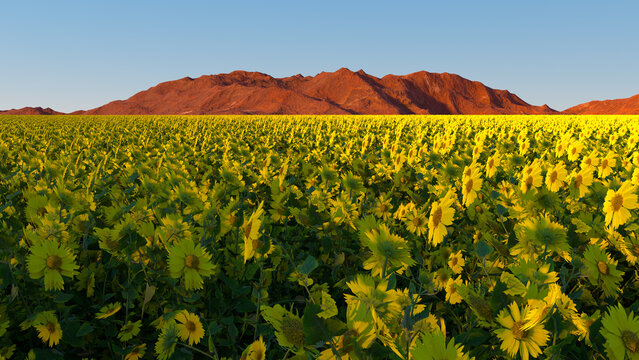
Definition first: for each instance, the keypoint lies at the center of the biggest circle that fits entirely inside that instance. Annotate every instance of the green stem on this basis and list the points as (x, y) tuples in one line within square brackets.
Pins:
[(384, 267)]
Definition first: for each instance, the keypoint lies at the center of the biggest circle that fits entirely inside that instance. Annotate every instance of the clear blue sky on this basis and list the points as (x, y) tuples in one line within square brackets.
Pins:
[(72, 55)]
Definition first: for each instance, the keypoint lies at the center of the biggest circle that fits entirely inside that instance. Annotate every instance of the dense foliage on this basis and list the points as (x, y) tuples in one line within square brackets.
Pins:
[(338, 237)]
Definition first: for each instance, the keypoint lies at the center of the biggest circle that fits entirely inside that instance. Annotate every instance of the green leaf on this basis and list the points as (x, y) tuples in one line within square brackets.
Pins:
[(85, 329), (309, 265), (483, 249), (148, 295), (315, 329), (500, 210), (329, 308), (632, 227), (62, 298), (515, 286), (582, 227)]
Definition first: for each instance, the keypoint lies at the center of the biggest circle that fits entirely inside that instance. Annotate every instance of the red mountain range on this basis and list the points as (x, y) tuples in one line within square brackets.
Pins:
[(339, 92), (30, 111), (627, 106)]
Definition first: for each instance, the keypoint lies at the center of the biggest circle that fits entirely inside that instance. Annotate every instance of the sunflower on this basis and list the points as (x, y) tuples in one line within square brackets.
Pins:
[(470, 186), (629, 246), (539, 309), (165, 346), (51, 260), (574, 149), (582, 323), (128, 331), (289, 329), (581, 180), (540, 234), (531, 177), (456, 262), (108, 310), (491, 165), (251, 229), (360, 335), (452, 295), (6, 352), (371, 301), (441, 277), (255, 351), (173, 228), (48, 327), (383, 208), (607, 165), (514, 339), (37, 206), (555, 178), (441, 215), (416, 222), (618, 203), (189, 327), (590, 161), (635, 176), (388, 251), (621, 331), (136, 353), (188, 260), (561, 147), (602, 270)]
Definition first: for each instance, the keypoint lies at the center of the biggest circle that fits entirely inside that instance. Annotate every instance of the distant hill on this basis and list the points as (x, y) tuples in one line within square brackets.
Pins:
[(339, 92), (30, 111), (627, 106)]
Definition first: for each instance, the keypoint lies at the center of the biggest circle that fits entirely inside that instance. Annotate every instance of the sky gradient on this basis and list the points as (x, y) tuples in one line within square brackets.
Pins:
[(71, 55)]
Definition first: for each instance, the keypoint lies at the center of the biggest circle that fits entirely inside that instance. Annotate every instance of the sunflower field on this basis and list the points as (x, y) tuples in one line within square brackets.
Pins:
[(330, 237)]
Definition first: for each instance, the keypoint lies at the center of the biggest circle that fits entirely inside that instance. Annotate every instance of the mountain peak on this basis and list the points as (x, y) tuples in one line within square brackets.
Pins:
[(340, 92)]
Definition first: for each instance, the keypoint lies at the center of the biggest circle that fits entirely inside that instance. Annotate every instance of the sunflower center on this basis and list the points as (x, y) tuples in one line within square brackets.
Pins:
[(192, 262), (383, 208), (578, 180), (518, 332), (247, 229), (453, 261), (529, 182), (553, 176), (51, 328), (588, 161), (604, 163), (573, 151), (630, 341), (54, 262), (469, 186), (616, 202), (491, 163), (437, 216), (418, 221), (603, 267), (190, 326)]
